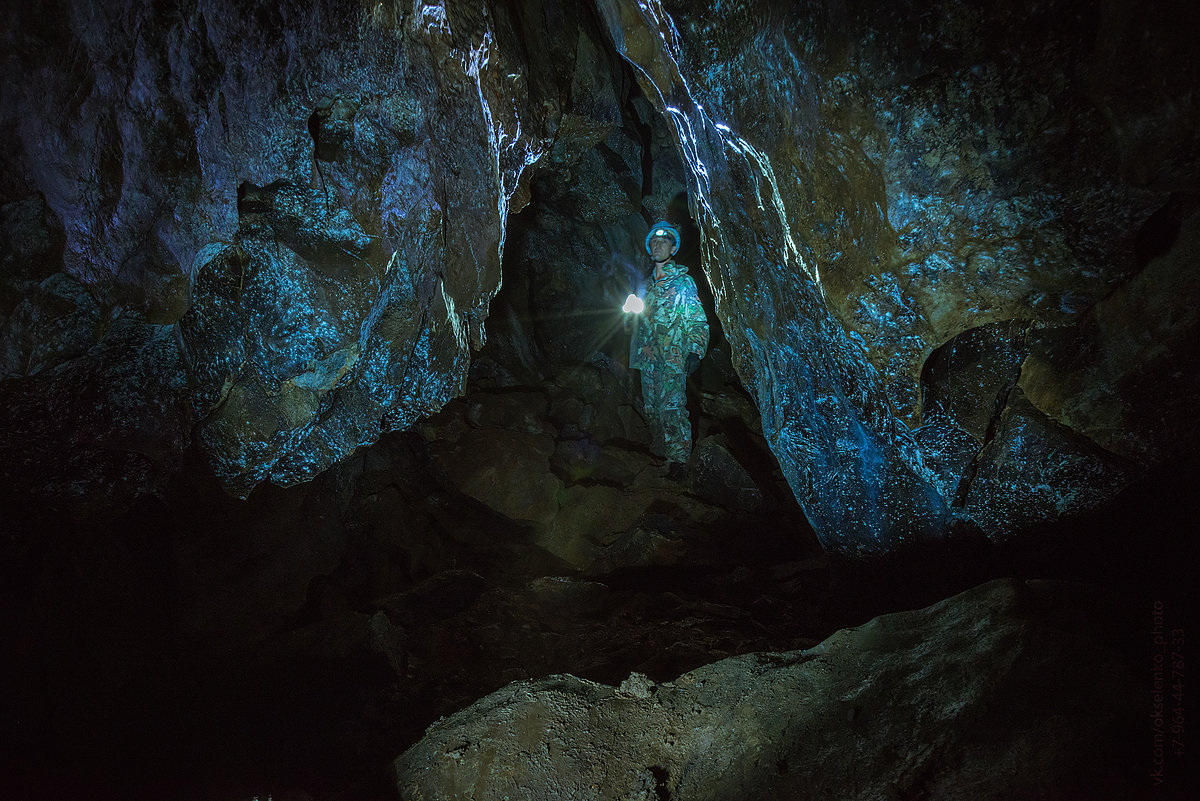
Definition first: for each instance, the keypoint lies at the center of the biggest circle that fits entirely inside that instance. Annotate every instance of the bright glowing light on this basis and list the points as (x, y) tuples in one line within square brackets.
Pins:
[(633, 305)]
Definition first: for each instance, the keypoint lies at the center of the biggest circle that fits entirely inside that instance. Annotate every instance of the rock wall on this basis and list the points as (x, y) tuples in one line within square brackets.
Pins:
[(314, 195), (882, 186), (950, 249), (361, 270)]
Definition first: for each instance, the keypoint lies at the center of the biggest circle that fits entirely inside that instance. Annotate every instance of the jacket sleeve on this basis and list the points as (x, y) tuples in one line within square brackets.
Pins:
[(695, 326)]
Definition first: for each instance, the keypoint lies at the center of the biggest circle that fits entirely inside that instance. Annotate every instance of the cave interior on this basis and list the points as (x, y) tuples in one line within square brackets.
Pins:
[(325, 474)]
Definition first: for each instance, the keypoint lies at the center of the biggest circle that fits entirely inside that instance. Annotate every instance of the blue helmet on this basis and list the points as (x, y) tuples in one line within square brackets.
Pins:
[(663, 228)]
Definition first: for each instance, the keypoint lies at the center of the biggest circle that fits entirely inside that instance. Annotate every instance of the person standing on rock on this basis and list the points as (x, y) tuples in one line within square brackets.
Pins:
[(667, 345)]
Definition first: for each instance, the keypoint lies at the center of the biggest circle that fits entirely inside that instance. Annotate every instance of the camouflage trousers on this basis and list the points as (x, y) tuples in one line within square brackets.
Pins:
[(665, 405)]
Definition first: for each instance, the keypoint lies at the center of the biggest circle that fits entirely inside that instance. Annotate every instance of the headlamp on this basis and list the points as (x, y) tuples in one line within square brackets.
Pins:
[(664, 229), (633, 305)]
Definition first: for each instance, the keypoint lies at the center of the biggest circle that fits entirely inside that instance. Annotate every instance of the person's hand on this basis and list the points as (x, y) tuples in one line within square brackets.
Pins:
[(691, 363)]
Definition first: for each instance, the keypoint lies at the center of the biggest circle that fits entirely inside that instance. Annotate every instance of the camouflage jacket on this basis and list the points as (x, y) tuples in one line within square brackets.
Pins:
[(672, 325)]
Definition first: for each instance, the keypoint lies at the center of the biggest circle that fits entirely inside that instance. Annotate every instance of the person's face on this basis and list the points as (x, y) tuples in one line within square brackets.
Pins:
[(661, 247)]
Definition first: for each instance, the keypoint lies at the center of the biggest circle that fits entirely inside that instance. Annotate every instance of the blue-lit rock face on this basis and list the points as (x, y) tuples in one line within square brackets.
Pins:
[(951, 249), (322, 188), (882, 186), (360, 272)]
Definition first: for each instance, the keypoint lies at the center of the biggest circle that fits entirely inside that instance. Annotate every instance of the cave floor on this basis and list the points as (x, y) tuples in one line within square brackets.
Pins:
[(293, 644)]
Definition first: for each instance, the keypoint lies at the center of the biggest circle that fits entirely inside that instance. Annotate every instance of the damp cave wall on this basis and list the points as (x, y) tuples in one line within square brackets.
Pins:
[(952, 249)]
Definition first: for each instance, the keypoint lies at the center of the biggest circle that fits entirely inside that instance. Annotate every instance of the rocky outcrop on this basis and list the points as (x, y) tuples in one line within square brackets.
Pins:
[(362, 267), (324, 200), (874, 182), (331, 182), (583, 485), (1004, 691)]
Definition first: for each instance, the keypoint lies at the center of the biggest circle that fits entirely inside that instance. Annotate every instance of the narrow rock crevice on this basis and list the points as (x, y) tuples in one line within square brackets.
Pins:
[(1000, 408)]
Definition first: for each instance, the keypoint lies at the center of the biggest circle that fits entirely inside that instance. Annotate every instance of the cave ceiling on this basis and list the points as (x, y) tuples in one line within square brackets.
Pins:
[(951, 248)]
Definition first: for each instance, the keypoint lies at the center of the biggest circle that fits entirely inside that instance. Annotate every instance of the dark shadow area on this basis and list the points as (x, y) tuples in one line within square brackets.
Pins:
[(202, 647), (1140, 548)]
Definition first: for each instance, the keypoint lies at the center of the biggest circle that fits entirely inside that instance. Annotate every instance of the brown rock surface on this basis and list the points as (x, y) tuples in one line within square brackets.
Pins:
[(1005, 691)]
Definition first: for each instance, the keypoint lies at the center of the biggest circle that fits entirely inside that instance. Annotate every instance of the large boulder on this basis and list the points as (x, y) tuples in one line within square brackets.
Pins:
[(588, 497), (332, 183), (362, 265), (1006, 691)]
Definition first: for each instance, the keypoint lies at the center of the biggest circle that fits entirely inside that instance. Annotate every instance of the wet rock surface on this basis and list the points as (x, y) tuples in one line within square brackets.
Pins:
[(357, 279), (317, 195), (874, 181)]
